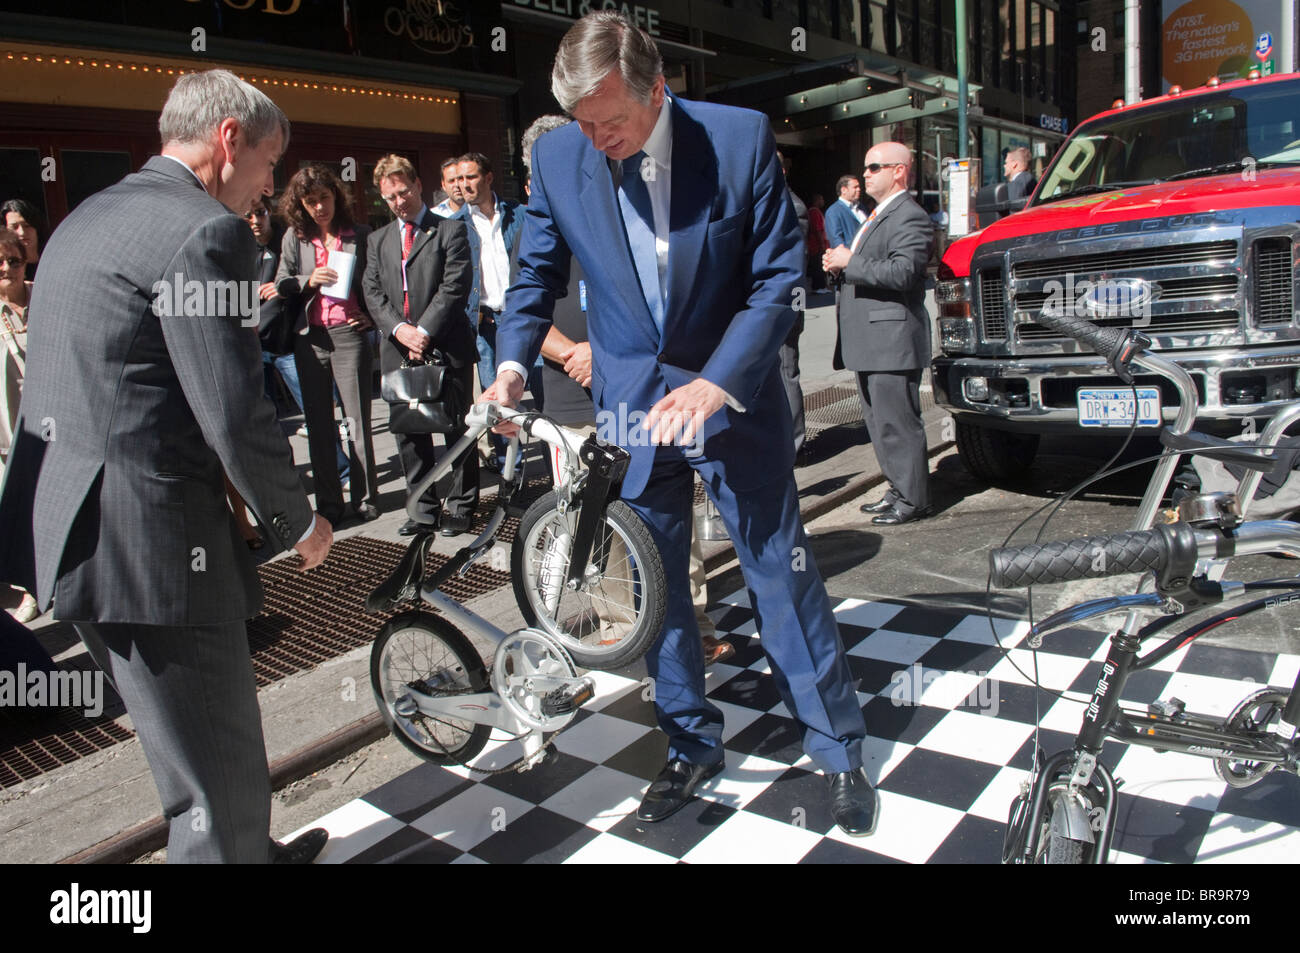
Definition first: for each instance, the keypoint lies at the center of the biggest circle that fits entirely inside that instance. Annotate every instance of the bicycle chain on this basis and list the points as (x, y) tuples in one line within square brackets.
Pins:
[(547, 744)]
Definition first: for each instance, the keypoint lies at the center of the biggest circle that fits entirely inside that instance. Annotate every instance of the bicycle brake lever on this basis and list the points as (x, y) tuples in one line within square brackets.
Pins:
[(1093, 608)]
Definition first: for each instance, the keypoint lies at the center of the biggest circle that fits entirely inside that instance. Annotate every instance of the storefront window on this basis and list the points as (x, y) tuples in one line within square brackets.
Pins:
[(20, 177), (86, 172)]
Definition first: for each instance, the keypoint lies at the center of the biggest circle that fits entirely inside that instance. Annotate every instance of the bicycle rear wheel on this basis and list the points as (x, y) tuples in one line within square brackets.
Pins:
[(617, 611)]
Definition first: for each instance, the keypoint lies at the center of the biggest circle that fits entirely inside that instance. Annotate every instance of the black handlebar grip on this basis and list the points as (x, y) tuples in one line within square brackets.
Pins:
[(1105, 341), (1089, 557)]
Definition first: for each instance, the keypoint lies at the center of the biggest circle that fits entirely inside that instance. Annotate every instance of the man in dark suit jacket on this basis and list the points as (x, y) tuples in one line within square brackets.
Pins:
[(416, 294), (884, 331), (1020, 183), (114, 505), (692, 257), (845, 216)]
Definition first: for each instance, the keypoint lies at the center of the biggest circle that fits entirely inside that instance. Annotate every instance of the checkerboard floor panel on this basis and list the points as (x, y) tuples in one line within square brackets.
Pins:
[(950, 737)]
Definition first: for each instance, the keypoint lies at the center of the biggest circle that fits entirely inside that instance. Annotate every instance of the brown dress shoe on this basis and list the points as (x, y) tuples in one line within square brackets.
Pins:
[(716, 650)]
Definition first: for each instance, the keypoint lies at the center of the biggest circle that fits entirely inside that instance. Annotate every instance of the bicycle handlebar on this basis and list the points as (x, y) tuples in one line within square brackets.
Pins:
[(1171, 551), (1088, 557), (1108, 342)]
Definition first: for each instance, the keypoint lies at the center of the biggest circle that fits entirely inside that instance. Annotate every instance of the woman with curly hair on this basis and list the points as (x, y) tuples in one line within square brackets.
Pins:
[(332, 345)]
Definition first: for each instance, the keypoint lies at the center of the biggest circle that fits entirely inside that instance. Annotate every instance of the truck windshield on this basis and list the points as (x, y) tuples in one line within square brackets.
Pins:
[(1200, 135)]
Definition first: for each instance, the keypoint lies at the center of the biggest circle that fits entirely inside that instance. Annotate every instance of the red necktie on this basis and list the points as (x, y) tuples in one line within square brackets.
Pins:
[(408, 236)]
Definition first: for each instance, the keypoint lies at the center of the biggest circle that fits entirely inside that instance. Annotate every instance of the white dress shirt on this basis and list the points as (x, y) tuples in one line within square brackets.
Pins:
[(494, 258), (855, 208), (875, 214)]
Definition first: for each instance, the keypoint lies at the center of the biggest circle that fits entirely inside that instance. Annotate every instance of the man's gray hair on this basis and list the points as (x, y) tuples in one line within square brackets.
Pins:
[(595, 46), (199, 102), (541, 125)]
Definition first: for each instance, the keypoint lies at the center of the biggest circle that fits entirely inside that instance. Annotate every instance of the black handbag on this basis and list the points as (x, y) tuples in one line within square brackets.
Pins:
[(422, 396)]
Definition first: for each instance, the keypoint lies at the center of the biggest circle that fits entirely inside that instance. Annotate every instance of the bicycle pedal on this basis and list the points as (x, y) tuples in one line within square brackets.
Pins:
[(568, 698), (405, 707)]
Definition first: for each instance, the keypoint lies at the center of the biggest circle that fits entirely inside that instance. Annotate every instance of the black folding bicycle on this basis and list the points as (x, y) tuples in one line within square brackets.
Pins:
[(1065, 813)]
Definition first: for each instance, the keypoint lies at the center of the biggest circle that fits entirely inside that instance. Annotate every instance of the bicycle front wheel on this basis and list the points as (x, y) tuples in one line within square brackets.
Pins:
[(424, 653), (617, 611)]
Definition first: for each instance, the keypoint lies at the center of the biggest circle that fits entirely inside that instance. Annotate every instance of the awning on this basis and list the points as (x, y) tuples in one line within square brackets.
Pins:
[(866, 87)]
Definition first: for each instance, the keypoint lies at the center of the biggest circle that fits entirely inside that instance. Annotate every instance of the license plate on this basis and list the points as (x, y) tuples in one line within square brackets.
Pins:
[(1114, 407)]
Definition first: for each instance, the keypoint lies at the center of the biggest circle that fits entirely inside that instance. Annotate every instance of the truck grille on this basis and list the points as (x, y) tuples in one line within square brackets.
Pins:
[(1199, 323), (1274, 283), (1194, 254), (993, 308)]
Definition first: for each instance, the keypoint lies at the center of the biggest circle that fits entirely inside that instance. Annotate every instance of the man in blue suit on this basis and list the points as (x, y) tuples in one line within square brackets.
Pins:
[(679, 216), (845, 216)]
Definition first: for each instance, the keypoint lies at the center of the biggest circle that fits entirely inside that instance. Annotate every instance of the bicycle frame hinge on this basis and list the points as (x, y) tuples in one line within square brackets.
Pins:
[(1084, 765)]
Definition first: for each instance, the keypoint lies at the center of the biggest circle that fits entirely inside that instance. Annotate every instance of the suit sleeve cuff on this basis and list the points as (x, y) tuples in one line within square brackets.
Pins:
[(311, 528), (513, 366)]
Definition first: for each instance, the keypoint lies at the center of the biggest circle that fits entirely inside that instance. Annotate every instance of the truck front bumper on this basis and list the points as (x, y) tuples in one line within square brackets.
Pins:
[(1038, 394)]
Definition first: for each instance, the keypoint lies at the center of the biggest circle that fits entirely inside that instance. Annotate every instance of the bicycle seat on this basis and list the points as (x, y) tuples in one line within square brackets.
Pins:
[(404, 583)]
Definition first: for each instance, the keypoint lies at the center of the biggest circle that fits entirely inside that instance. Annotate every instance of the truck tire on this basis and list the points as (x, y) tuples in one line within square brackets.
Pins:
[(994, 455)]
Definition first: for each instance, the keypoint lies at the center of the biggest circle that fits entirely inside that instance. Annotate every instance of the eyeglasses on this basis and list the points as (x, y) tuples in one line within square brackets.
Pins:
[(875, 167), (257, 213), (14, 262)]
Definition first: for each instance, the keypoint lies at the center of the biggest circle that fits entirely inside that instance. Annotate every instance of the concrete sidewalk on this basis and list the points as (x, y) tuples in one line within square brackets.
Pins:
[(104, 807)]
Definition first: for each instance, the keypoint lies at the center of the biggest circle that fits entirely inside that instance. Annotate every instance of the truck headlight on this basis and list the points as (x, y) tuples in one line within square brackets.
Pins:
[(957, 335)]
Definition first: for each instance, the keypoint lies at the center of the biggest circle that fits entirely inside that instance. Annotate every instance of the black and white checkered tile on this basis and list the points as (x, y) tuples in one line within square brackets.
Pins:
[(950, 728)]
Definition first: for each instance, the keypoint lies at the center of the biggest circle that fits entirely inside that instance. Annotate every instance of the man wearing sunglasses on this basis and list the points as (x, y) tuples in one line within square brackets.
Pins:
[(884, 331)]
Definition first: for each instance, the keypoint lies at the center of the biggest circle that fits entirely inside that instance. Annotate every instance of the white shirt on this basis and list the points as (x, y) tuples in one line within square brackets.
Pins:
[(855, 208), (880, 207), (659, 149), (494, 259), (182, 164), (444, 209)]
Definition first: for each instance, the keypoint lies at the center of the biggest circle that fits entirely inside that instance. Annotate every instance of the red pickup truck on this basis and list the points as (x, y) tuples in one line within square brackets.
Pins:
[(1178, 215)]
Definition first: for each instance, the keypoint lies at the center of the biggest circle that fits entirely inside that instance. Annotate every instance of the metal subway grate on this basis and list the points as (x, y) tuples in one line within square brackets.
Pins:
[(307, 619), (30, 747), (1274, 282), (993, 305)]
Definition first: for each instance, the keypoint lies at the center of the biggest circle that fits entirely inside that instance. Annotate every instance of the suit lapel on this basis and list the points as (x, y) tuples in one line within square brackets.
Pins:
[(390, 251), (610, 239), (694, 180), (875, 224)]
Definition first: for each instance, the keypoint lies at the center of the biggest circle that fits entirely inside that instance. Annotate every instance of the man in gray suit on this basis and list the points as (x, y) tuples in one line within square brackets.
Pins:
[(884, 331), (144, 381)]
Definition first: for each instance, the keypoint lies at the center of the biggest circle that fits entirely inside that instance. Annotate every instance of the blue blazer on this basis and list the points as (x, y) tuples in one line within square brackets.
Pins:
[(511, 224), (841, 225), (735, 257)]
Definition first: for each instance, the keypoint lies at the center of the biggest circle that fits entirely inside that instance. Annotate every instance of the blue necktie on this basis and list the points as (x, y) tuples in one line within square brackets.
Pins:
[(639, 222)]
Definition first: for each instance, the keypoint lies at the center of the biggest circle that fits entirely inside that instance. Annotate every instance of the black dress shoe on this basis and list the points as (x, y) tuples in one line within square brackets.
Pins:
[(366, 512), (302, 849), (886, 502), (854, 804), (411, 527), (895, 517), (454, 525), (674, 788)]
